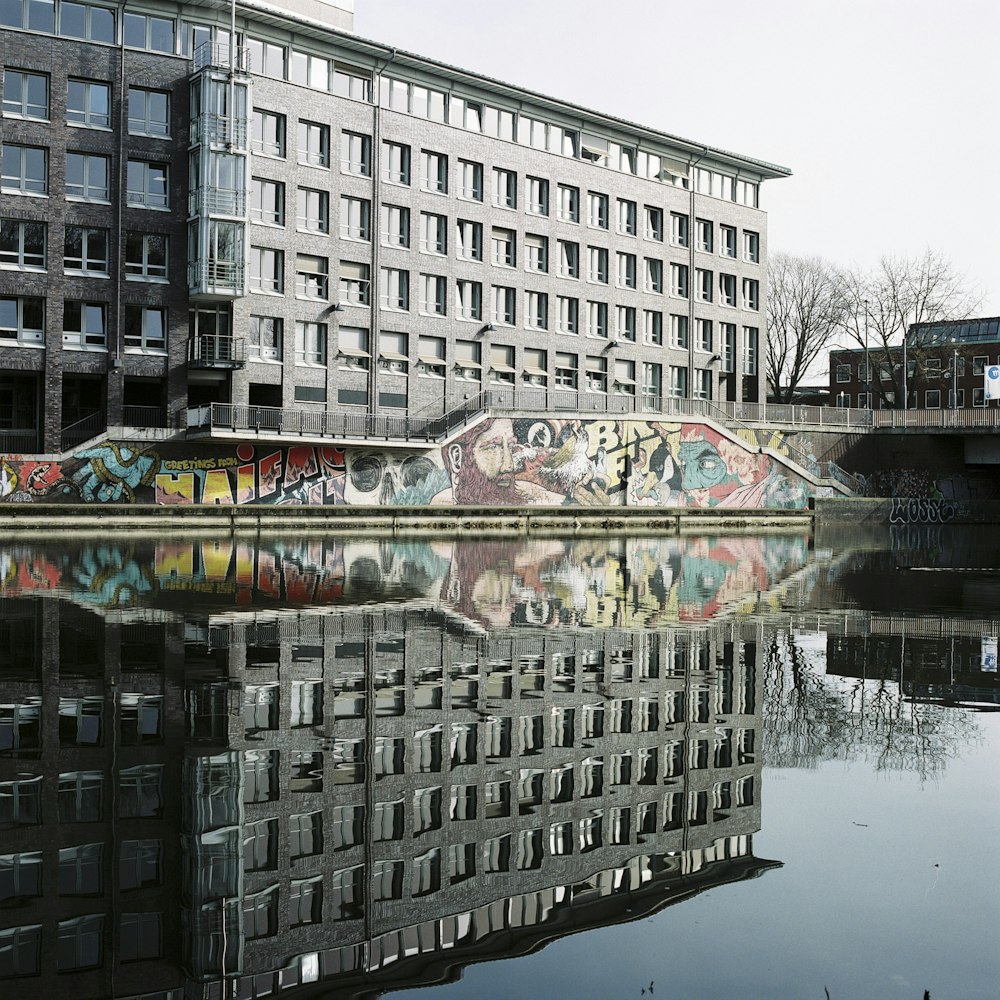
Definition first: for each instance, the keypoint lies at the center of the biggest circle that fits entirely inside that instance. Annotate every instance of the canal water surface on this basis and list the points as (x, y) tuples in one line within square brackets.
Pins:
[(303, 767)]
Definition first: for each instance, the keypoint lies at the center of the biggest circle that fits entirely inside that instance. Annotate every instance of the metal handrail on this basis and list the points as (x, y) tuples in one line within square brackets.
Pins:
[(84, 429)]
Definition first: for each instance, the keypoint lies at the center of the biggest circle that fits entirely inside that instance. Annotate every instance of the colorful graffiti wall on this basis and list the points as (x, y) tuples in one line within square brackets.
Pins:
[(499, 461)]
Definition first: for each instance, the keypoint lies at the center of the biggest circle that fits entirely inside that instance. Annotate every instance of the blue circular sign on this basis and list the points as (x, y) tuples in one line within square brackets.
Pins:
[(993, 372)]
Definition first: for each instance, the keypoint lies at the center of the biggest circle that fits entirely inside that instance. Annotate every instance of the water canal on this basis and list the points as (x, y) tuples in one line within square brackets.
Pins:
[(682, 767)]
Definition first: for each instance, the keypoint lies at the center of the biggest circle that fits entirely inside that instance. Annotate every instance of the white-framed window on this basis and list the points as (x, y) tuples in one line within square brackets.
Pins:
[(703, 281), (704, 235), (267, 133), (652, 379), (536, 253), (932, 367), (433, 171), (434, 233), (504, 305), (678, 331), (470, 180), (431, 357), (727, 241), (747, 193), (353, 352), (751, 345), (652, 280), (145, 329), (264, 338), (312, 277), (468, 300), (678, 381), (627, 217), (146, 256), (844, 373), (932, 399), (502, 370), (596, 374), (727, 338), (652, 327), (978, 395), (569, 203), (751, 247), (22, 321), (865, 400), (979, 363), (148, 184), (624, 381), (395, 289), (704, 336), (536, 196), (395, 162), (597, 265), (86, 250), (569, 259), (85, 325), (310, 343), (355, 283), (88, 102), (469, 240), (597, 210), (751, 294), (504, 247), (356, 154), (433, 295), (465, 113), (536, 310), (625, 320), (146, 31), (267, 270), (567, 314), (23, 245), (88, 177), (312, 214), (26, 94), (148, 112), (703, 383), (536, 366), (267, 201), (393, 352), (567, 368), (625, 270), (597, 319), (468, 360), (679, 229), (395, 228), (727, 289), (504, 188), (653, 227)]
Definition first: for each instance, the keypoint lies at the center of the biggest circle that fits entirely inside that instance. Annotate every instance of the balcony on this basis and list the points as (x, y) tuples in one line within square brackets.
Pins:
[(220, 130), (217, 201), (219, 278), (216, 55), (216, 352)]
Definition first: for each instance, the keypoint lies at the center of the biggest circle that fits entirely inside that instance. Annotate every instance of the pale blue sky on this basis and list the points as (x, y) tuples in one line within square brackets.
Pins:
[(883, 109)]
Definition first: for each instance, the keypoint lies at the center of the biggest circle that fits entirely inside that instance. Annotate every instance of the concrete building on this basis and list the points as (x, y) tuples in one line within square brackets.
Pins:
[(301, 219)]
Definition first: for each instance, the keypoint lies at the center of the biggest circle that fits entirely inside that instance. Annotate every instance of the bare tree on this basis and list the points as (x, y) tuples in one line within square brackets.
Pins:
[(881, 305), (805, 309)]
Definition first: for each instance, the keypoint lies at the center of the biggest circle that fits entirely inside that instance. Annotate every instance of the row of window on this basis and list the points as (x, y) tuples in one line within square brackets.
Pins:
[(25, 170), (934, 399), (26, 94), (930, 367), (84, 325)]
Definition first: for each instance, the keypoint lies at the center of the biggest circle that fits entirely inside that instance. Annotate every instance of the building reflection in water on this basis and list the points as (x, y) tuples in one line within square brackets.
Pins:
[(228, 771)]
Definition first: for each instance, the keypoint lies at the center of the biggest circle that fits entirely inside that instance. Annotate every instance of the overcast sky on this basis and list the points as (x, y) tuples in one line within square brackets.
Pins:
[(884, 110)]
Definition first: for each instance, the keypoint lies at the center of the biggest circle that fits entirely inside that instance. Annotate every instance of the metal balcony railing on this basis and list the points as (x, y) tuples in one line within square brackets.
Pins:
[(144, 416), (19, 442), (216, 55), (217, 201), (216, 277), (220, 130), (214, 351), (83, 429)]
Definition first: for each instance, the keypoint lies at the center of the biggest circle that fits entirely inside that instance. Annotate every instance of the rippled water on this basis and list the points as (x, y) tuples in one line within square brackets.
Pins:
[(675, 767)]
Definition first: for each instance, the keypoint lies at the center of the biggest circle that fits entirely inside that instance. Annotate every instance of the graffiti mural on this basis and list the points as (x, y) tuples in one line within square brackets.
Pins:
[(498, 461)]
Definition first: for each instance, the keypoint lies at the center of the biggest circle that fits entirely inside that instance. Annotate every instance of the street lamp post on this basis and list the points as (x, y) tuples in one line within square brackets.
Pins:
[(906, 393), (868, 371)]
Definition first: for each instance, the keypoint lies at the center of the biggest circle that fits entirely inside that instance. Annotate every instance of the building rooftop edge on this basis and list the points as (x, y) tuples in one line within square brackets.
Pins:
[(762, 167)]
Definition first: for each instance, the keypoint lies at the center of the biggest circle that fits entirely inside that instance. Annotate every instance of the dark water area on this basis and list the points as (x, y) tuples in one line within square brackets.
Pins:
[(689, 767)]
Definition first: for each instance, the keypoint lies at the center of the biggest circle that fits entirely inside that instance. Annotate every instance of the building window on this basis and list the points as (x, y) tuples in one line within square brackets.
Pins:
[(536, 253), (22, 321), (537, 195), (148, 184), (504, 247), (471, 179), (88, 103), (148, 112), (536, 366), (504, 305), (80, 941), (468, 360), (626, 217), (703, 331), (145, 329), (502, 370), (625, 322), (678, 331), (702, 383), (267, 270), (652, 327), (678, 381), (652, 380), (843, 373), (536, 308), (727, 241), (265, 337), (751, 294), (434, 171), (566, 369), (312, 277), (597, 210), (679, 229), (87, 177), (395, 289), (469, 240), (727, 289), (355, 283), (26, 95), (267, 133), (267, 202), (569, 259), (356, 154), (932, 399), (468, 300), (624, 382), (597, 320), (704, 235), (751, 247), (653, 229), (144, 31), (567, 315), (750, 349), (395, 226), (353, 353), (312, 213), (86, 250), (23, 244), (395, 163), (727, 334), (393, 349), (430, 362), (653, 274), (625, 270), (979, 364), (504, 188), (305, 835), (433, 233), (597, 374), (978, 395), (569, 203), (310, 343), (433, 295), (305, 901), (314, 144), (597, 265), (703, 284), (85, 325)]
